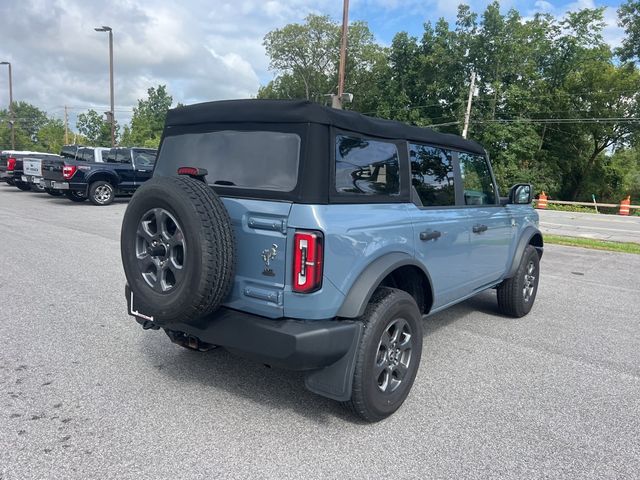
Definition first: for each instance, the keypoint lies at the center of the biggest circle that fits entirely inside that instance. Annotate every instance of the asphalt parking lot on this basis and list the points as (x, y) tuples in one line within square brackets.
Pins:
[(86, 393)]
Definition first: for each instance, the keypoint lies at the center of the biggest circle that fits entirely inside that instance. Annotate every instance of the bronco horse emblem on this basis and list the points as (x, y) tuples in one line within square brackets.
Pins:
[(269, 254)]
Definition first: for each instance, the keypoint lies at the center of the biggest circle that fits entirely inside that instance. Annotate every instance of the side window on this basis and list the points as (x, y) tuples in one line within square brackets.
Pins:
[(432, 175), (476, 180), (110, 156), (124, 155), (366, 166)]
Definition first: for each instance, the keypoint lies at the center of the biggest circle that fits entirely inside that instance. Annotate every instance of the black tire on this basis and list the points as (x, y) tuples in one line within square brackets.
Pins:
[(373, 396), (11, 182), (75, 196), (53, 193), (517, 294), (101, 193), (25, 187), (205, 248), (36, 187)]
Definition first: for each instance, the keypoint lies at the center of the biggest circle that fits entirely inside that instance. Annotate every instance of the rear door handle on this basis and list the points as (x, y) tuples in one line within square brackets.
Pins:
[(480, 228), (430, 235)]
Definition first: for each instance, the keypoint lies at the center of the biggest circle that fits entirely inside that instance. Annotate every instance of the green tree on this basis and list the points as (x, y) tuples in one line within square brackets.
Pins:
[(148, 119), (629, 20), (305, 58), (95, 128), (51, 136)]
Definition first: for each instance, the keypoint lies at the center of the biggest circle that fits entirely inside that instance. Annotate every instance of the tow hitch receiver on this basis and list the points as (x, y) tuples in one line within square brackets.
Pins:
[(189, 341)]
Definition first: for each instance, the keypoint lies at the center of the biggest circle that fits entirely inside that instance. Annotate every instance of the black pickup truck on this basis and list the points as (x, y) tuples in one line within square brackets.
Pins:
[(122, 171), (11, 166)]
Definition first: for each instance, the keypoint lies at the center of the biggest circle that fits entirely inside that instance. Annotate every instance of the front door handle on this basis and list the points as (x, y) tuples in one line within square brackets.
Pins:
[(479, 228), (430, 235)]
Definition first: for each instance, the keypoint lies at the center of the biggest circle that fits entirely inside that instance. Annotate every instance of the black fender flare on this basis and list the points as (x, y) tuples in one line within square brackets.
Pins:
[(105, 175), (525, 239), (362, 289)]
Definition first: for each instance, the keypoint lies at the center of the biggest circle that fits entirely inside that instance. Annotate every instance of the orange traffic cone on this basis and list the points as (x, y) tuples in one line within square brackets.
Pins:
[(624, 206), (542, 201)]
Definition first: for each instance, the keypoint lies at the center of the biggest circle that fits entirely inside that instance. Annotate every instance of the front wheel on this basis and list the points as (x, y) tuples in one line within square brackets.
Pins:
[(25, 187), (75, 196), (101, 193), (517, 294), (388, 356)]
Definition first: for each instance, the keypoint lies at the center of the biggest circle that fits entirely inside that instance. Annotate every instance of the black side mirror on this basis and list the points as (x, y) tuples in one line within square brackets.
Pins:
[(521, 194)]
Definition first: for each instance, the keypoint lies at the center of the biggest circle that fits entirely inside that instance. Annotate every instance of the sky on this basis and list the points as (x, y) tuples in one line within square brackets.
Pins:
[(201, 49)]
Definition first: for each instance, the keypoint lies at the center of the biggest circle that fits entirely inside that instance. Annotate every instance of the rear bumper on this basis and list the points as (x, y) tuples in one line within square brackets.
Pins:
[(285, 343), (62, 185)]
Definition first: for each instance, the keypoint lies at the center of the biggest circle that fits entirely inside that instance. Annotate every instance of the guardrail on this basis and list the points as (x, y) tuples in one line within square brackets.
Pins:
[(624, 206)]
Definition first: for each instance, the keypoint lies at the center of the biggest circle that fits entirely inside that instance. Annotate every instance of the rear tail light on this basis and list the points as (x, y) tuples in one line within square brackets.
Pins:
[(307, 261), (68, 171), (11, 164)]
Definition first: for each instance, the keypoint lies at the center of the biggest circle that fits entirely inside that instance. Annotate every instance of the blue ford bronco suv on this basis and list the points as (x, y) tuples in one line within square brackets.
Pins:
[(316, 239)]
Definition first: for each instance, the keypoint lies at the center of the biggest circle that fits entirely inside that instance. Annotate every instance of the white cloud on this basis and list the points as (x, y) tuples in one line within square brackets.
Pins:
[(201, 49)]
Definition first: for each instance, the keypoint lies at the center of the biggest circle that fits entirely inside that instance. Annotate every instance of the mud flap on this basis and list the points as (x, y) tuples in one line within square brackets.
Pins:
[(336, 380)]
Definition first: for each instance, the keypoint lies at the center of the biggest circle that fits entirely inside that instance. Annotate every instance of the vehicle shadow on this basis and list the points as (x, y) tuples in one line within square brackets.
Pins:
[(65, 201), (219, 370), (484, 302), (273, 388)]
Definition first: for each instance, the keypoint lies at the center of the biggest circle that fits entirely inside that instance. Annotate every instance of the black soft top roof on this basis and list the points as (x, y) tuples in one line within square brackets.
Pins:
[(302, 111)]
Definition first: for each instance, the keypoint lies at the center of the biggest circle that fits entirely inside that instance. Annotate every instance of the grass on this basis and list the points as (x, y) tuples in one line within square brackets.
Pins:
[(625, 247)]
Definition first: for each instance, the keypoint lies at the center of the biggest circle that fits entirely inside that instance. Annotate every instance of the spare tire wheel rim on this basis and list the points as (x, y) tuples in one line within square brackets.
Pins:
[(161, 250), (103, 193)]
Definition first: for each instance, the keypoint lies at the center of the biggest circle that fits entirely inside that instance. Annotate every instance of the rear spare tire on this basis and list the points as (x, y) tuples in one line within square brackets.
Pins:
[(178, 250)]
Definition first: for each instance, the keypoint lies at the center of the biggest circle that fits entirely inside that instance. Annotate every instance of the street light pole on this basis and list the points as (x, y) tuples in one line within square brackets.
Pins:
[(112, 118), (11, 115)]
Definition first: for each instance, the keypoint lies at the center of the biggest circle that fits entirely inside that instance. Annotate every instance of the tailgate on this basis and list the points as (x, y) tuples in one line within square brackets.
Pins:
[(51, 169), (32, 166), (260, 229)]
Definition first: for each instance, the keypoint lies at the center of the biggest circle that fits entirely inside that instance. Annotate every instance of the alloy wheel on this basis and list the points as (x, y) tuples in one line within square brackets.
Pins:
[(160, 250)]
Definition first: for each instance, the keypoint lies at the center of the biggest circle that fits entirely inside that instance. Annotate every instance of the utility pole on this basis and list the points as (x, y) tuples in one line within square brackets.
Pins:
[(66, 126), (112, 118), (467, 115), (12, 117), (336, 100)]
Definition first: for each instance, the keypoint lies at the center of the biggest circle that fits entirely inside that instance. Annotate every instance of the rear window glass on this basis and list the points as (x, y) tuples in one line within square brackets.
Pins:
[(366, 166), (256, 159), (68, 152)]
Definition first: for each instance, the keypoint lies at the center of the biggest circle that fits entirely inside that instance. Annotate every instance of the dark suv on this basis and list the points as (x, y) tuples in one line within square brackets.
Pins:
[(317, 239)]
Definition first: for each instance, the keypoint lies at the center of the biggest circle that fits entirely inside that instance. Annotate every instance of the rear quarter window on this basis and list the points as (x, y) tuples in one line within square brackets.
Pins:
[(366, 166), (261, 160)]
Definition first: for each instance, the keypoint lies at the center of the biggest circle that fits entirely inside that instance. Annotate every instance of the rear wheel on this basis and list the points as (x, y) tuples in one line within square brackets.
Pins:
[(101, 193), (389, 354), (25, 187), (517, 294), (36, 187), (75, 196)]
